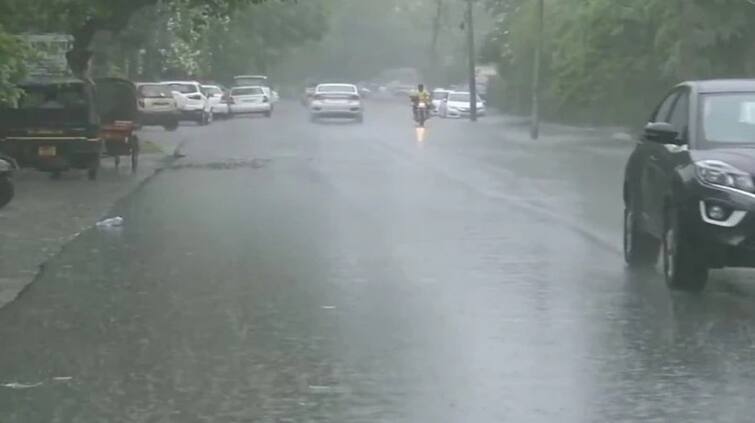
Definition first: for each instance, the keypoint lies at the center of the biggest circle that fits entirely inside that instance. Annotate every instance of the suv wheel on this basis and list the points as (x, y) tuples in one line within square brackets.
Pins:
[(640, 248), (683, 268)]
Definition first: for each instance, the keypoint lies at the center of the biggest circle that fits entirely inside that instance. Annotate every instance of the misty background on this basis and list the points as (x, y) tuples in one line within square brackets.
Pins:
[(604, 61)]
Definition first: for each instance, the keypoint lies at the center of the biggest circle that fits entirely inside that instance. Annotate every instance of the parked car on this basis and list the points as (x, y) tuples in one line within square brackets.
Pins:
[(458, 104), (338, 101), (250, 100), (7, 190), (157, 105), (438, 96), (688, 188), (219, 100), (192, 104)]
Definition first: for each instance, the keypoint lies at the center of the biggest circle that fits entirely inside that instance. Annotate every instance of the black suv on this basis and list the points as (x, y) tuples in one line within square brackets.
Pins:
[(688, 187)]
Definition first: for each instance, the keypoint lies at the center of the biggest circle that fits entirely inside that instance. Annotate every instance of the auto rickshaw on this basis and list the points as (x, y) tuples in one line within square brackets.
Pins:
[(53, 126), (117, 104)]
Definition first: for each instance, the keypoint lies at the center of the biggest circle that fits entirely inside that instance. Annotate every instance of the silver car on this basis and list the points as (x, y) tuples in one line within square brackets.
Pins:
[(336, 101)]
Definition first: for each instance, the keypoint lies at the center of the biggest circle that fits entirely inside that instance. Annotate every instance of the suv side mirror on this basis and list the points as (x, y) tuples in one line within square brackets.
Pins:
[(662, 133)]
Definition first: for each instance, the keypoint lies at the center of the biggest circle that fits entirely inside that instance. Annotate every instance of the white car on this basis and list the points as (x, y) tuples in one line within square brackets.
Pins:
[(219, 103), (336, 101), (192, 103), (437, 98), (157, 105), (250, 100), (458, 104)]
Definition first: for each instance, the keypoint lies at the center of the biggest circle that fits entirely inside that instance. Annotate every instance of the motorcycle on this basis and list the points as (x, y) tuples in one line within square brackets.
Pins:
[(7, 166), (421, 111)]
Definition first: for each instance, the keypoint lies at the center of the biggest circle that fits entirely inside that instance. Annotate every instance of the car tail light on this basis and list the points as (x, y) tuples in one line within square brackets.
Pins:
[(141, 103), (318, 97), (354, 97), (194, 97), (265, 99)]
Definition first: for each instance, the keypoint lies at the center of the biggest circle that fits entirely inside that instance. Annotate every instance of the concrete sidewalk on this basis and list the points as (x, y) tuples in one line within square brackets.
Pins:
[(46, 214)]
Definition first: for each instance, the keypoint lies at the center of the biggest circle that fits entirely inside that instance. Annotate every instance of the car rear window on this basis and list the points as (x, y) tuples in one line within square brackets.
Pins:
[(184, 88), (247, 91), (341, 89), (154, 91)]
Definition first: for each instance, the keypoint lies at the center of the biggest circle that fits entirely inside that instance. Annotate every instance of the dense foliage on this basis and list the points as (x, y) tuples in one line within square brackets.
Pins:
[(609, 61), (145, 39)]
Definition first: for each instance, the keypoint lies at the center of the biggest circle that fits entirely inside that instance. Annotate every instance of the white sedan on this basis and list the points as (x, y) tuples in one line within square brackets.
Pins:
[(250, 100), (458, 104), (336, 101)]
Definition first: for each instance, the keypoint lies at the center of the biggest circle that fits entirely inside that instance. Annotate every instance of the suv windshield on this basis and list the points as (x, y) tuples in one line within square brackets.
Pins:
[(728, 118)]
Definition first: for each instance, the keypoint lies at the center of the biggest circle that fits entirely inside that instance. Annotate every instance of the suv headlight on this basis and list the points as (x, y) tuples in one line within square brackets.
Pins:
[(714, 172)]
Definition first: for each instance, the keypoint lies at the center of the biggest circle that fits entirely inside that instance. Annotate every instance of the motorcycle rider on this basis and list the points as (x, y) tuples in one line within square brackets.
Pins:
[(420, 96)]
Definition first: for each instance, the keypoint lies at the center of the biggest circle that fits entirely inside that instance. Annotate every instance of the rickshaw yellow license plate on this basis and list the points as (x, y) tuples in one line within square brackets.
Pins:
[(47, 151)]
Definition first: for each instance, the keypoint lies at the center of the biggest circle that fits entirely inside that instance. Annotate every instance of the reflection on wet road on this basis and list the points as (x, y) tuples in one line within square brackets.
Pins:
[(295, 272)]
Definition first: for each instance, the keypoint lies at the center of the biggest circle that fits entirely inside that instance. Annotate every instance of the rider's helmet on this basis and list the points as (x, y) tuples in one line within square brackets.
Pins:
[(421, 87)]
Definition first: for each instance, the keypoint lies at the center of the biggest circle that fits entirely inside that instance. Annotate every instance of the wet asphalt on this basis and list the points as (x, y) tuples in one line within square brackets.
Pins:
[(285, 271)]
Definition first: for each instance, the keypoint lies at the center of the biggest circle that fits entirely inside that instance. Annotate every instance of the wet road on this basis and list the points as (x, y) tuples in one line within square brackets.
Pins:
[(294, 272)]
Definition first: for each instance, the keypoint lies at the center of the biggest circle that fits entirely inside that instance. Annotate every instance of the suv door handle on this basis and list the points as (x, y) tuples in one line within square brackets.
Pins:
[(653, 158)]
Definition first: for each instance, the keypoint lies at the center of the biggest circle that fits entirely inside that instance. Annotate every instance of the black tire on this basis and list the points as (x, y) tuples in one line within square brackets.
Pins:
[(313, 118), (135, 148), (55, 175), (171, 126), (360, 119), (269, 114), (6, 191), (93, 169), (683, 267), (640, 248)]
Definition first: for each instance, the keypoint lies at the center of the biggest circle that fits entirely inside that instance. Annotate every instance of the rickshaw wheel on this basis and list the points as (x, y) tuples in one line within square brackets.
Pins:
[(93, 169), (134, 143), (6, 191)]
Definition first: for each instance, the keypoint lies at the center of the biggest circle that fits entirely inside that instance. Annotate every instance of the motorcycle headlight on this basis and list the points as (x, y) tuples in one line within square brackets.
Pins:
[(722, 174)]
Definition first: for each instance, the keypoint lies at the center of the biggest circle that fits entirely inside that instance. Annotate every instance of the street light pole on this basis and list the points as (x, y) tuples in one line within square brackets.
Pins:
[(535, 124), (472, 66)]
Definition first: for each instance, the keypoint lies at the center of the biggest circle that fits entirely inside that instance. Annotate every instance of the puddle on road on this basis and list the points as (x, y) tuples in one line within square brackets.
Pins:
[(223, 165)]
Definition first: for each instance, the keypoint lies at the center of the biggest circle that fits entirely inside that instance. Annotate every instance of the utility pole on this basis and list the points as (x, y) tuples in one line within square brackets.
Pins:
[(535, 124), (472, 67)]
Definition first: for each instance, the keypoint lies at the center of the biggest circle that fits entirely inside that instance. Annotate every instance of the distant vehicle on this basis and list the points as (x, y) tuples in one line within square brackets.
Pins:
[(251, 100), (438, 96), (218, 99), (458, 104), (337, 101), (7, 190), (192, 104), (688, 186), (157, 105), (309, 93), (251, 81)]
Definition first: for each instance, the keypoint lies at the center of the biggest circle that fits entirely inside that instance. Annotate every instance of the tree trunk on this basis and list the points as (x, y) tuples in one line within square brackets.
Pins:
[(80, 57)]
